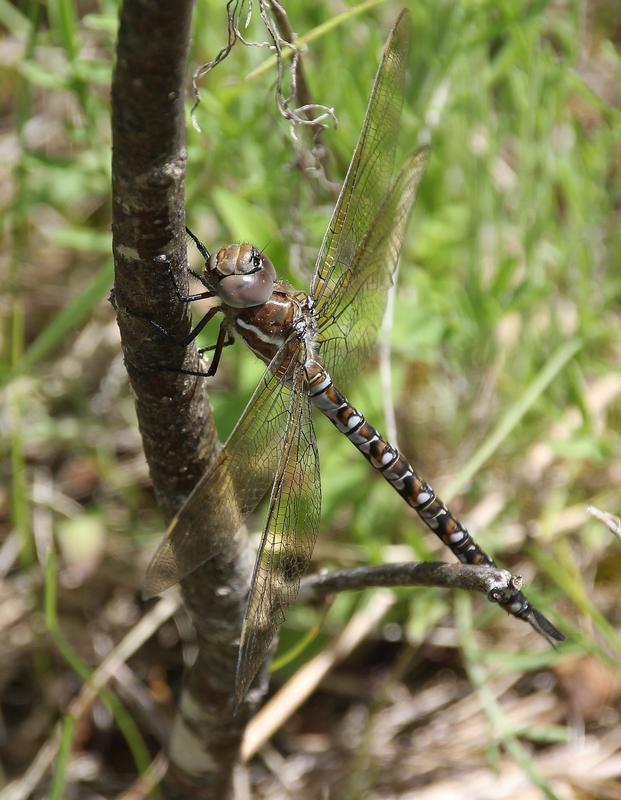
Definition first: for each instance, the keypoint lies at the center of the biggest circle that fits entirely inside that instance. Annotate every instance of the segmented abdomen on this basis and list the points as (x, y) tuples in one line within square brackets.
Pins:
[(398, 472), (404, 479)]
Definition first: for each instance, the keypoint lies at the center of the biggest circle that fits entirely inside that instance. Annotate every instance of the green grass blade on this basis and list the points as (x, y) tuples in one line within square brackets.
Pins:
[(60, 767), (66, 321), (513, 416), (123, 719), (564, 570), (13, 20), (63, 19), (299, 647), (19, 494)]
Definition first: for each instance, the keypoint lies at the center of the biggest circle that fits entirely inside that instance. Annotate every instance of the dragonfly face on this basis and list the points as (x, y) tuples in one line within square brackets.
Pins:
[(241, 276)]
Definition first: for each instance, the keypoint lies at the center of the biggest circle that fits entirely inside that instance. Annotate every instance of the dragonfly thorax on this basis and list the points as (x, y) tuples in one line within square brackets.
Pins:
[(284, 317), (241, 275)]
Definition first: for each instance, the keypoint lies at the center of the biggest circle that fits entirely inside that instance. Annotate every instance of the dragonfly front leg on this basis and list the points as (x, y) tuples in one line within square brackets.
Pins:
[(183, 298), (190, 298)]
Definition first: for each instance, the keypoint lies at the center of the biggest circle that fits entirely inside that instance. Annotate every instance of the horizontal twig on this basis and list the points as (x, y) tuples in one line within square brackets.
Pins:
[(427, 573)]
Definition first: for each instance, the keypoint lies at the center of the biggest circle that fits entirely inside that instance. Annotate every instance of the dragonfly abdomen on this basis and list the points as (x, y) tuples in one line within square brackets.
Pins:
[(414, 489), (399, 473)]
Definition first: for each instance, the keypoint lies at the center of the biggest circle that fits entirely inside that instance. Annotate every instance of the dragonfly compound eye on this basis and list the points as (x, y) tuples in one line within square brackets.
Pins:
[(244, 276)]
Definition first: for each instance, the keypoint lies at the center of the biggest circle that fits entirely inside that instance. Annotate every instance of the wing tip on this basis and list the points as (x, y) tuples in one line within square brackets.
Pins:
[(162, 571), (398, 41), (417, 160), (404, 14)]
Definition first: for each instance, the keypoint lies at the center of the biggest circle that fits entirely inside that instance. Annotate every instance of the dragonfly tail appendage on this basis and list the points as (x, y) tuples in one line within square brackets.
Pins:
[(421, 497), (542, 624), (515, 602)]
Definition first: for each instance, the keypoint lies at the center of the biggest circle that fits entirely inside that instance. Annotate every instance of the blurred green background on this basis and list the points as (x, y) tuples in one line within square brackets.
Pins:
[(505, 353)]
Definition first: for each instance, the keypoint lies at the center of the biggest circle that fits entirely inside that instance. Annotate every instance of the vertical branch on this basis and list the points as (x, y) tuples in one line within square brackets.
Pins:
[(148, 169)]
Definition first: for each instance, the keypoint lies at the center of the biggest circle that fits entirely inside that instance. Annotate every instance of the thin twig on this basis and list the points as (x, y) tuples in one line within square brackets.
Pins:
[(319, 162), (471, 577), (294, 102), (610, 521), (233, 11)]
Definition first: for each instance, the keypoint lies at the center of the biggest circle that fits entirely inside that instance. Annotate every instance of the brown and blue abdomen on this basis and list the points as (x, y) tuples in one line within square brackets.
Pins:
[(395, 469), (414, 490)]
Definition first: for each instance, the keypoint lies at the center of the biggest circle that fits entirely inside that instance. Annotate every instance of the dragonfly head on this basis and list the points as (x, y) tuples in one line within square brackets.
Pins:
[(241, 275)]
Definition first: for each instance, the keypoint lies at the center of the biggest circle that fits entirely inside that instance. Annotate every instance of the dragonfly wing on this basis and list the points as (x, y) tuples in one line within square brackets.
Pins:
[(288, 539), (351, 314), (370, 170), (233, 486)]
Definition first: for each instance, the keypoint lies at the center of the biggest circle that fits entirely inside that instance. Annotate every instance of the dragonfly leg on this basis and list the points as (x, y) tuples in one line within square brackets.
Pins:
[(197, 373), (199, 245), (185, 340), (224, 340), (187, 298), (199, 327), (190, 298), (230, 339)]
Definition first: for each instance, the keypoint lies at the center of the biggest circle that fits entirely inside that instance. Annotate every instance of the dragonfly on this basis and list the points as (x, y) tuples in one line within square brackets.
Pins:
[(312, 343)]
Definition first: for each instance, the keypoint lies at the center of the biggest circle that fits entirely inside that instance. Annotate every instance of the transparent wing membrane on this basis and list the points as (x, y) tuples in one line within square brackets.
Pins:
[(234, 485), (352, 311), (370, 171), (288, 539)]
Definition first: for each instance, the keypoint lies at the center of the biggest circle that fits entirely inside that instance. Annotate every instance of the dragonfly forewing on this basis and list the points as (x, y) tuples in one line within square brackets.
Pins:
[(234, 485), (370, 171), (353, 310)]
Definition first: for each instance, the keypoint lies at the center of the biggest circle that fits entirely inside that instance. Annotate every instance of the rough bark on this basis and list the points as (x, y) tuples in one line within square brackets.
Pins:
[(148, 169)]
